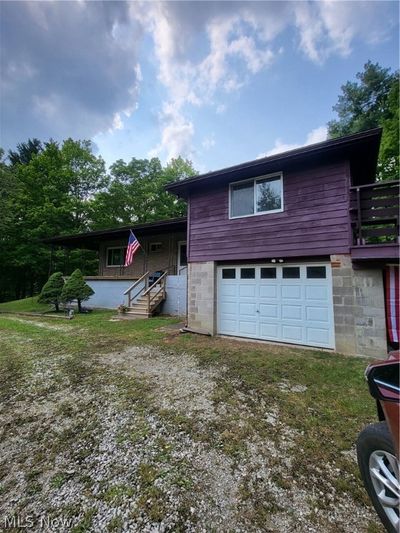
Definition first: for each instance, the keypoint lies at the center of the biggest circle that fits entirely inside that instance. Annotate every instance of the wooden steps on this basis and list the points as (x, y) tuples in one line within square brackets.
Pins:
[(146, 306)]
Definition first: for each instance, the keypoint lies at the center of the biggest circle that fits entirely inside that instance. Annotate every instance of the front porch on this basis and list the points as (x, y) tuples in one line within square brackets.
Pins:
[(162, 256)]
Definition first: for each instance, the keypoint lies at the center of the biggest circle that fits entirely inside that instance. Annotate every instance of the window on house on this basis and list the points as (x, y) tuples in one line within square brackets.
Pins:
[(116, 256), (228, 273), (290, 272), (247, 273), (155, 246), (256, 196), (316, 272), (268, 273)]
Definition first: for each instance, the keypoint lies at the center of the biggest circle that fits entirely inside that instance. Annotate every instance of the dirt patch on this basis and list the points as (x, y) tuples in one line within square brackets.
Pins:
[(43, 325)]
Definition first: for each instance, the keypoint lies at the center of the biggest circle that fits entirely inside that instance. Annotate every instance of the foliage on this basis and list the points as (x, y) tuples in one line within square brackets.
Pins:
[(76, 288), (388, 165), (370, 102), (25, 152), (50, 189), (52, 289), (48, 195), (136, 193)]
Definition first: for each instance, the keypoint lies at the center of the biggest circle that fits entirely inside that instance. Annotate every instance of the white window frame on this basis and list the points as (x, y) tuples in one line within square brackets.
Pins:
[(254, 181), (114, 248)]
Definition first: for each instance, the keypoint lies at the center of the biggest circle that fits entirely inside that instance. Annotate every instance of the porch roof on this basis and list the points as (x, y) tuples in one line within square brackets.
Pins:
[(91, 239)]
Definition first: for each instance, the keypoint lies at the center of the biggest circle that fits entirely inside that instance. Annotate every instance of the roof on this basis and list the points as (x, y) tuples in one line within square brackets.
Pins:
[(361, 149), (92, 239)]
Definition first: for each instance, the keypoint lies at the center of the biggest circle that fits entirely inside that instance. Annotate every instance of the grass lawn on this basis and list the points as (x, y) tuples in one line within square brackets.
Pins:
[(27, 305), (130, 426)]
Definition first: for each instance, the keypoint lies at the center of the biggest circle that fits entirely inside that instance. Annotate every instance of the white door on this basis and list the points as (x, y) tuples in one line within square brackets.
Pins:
[(286, 303)]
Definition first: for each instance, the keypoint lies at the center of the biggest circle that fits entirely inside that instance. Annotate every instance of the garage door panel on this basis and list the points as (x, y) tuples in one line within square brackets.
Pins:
[(317, 336), (291, 292), (292, 333), (247, 327), (228, 289), (297, 310), (246, 308), (247, 290), (317, 314), (270, 330), (293, 312), (268, 291), (316, 292), (228, 308), (228, 326), (269, 310)]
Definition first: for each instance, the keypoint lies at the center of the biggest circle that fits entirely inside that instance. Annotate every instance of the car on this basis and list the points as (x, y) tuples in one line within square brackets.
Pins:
[(378, 444)]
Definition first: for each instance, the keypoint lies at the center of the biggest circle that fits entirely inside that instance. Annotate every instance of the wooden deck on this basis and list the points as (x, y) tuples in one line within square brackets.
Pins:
[(374, 212)]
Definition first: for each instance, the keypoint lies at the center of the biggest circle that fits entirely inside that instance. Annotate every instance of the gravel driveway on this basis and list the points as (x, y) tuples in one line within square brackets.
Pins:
[(143, 440)]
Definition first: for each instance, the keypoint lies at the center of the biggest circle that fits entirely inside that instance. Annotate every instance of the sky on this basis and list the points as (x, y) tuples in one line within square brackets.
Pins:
[(218, 83)]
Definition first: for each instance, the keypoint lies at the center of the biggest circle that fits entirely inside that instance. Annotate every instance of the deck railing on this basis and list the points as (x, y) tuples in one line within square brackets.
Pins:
[(374, 213)]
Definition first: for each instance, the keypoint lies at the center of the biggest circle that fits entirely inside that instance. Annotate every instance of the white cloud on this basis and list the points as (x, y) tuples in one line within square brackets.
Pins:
[(231, 57), (177, 134), (117, 123), (317, 135), (208, 142), (330, 27), (314, 136), (202, 51)]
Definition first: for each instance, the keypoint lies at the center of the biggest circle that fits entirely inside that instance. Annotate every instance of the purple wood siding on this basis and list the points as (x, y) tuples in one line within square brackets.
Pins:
[(315, 220)]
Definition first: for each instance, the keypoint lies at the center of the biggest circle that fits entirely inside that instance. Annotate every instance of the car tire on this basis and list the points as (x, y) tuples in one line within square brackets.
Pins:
[(374, 448)]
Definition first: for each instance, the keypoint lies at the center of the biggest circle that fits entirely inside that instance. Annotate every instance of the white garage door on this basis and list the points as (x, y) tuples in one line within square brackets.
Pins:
[(288, 303)]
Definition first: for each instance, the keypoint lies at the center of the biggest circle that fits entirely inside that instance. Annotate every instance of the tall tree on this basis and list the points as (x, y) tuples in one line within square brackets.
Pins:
[(52, 196), (137, 193), (25, 151), (369, 102)]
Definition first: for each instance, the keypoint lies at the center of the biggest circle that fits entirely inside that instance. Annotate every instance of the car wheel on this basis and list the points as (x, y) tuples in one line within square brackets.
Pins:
[(380, 472)]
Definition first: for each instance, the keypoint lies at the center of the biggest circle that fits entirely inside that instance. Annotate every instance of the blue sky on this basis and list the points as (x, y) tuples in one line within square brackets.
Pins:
[(217, 82)]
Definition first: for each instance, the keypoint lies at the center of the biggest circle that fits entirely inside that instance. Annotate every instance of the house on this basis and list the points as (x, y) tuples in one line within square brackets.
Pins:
[(289, 248), (163, 249)]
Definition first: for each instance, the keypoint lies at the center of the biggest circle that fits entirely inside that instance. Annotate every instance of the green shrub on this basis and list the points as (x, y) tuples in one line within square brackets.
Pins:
[(52, 289), (76, 288)]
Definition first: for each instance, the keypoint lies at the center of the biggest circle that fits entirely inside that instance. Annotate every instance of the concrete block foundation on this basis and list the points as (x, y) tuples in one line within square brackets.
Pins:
[(359, 309), (202, 297)]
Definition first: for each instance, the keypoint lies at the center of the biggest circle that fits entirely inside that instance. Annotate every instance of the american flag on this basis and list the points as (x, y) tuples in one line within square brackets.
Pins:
[(133, 246)]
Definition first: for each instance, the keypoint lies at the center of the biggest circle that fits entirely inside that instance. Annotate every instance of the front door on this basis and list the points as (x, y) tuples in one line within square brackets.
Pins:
[(182, 259)]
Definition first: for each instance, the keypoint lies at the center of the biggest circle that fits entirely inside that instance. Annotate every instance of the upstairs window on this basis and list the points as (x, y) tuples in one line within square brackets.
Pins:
[(256, 196)]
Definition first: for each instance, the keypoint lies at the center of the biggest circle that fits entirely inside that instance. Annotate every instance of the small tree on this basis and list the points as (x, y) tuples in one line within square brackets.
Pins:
[(76, 288), (52, 289)]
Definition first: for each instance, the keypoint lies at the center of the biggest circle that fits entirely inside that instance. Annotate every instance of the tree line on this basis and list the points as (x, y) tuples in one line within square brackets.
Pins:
[(51, 188)]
